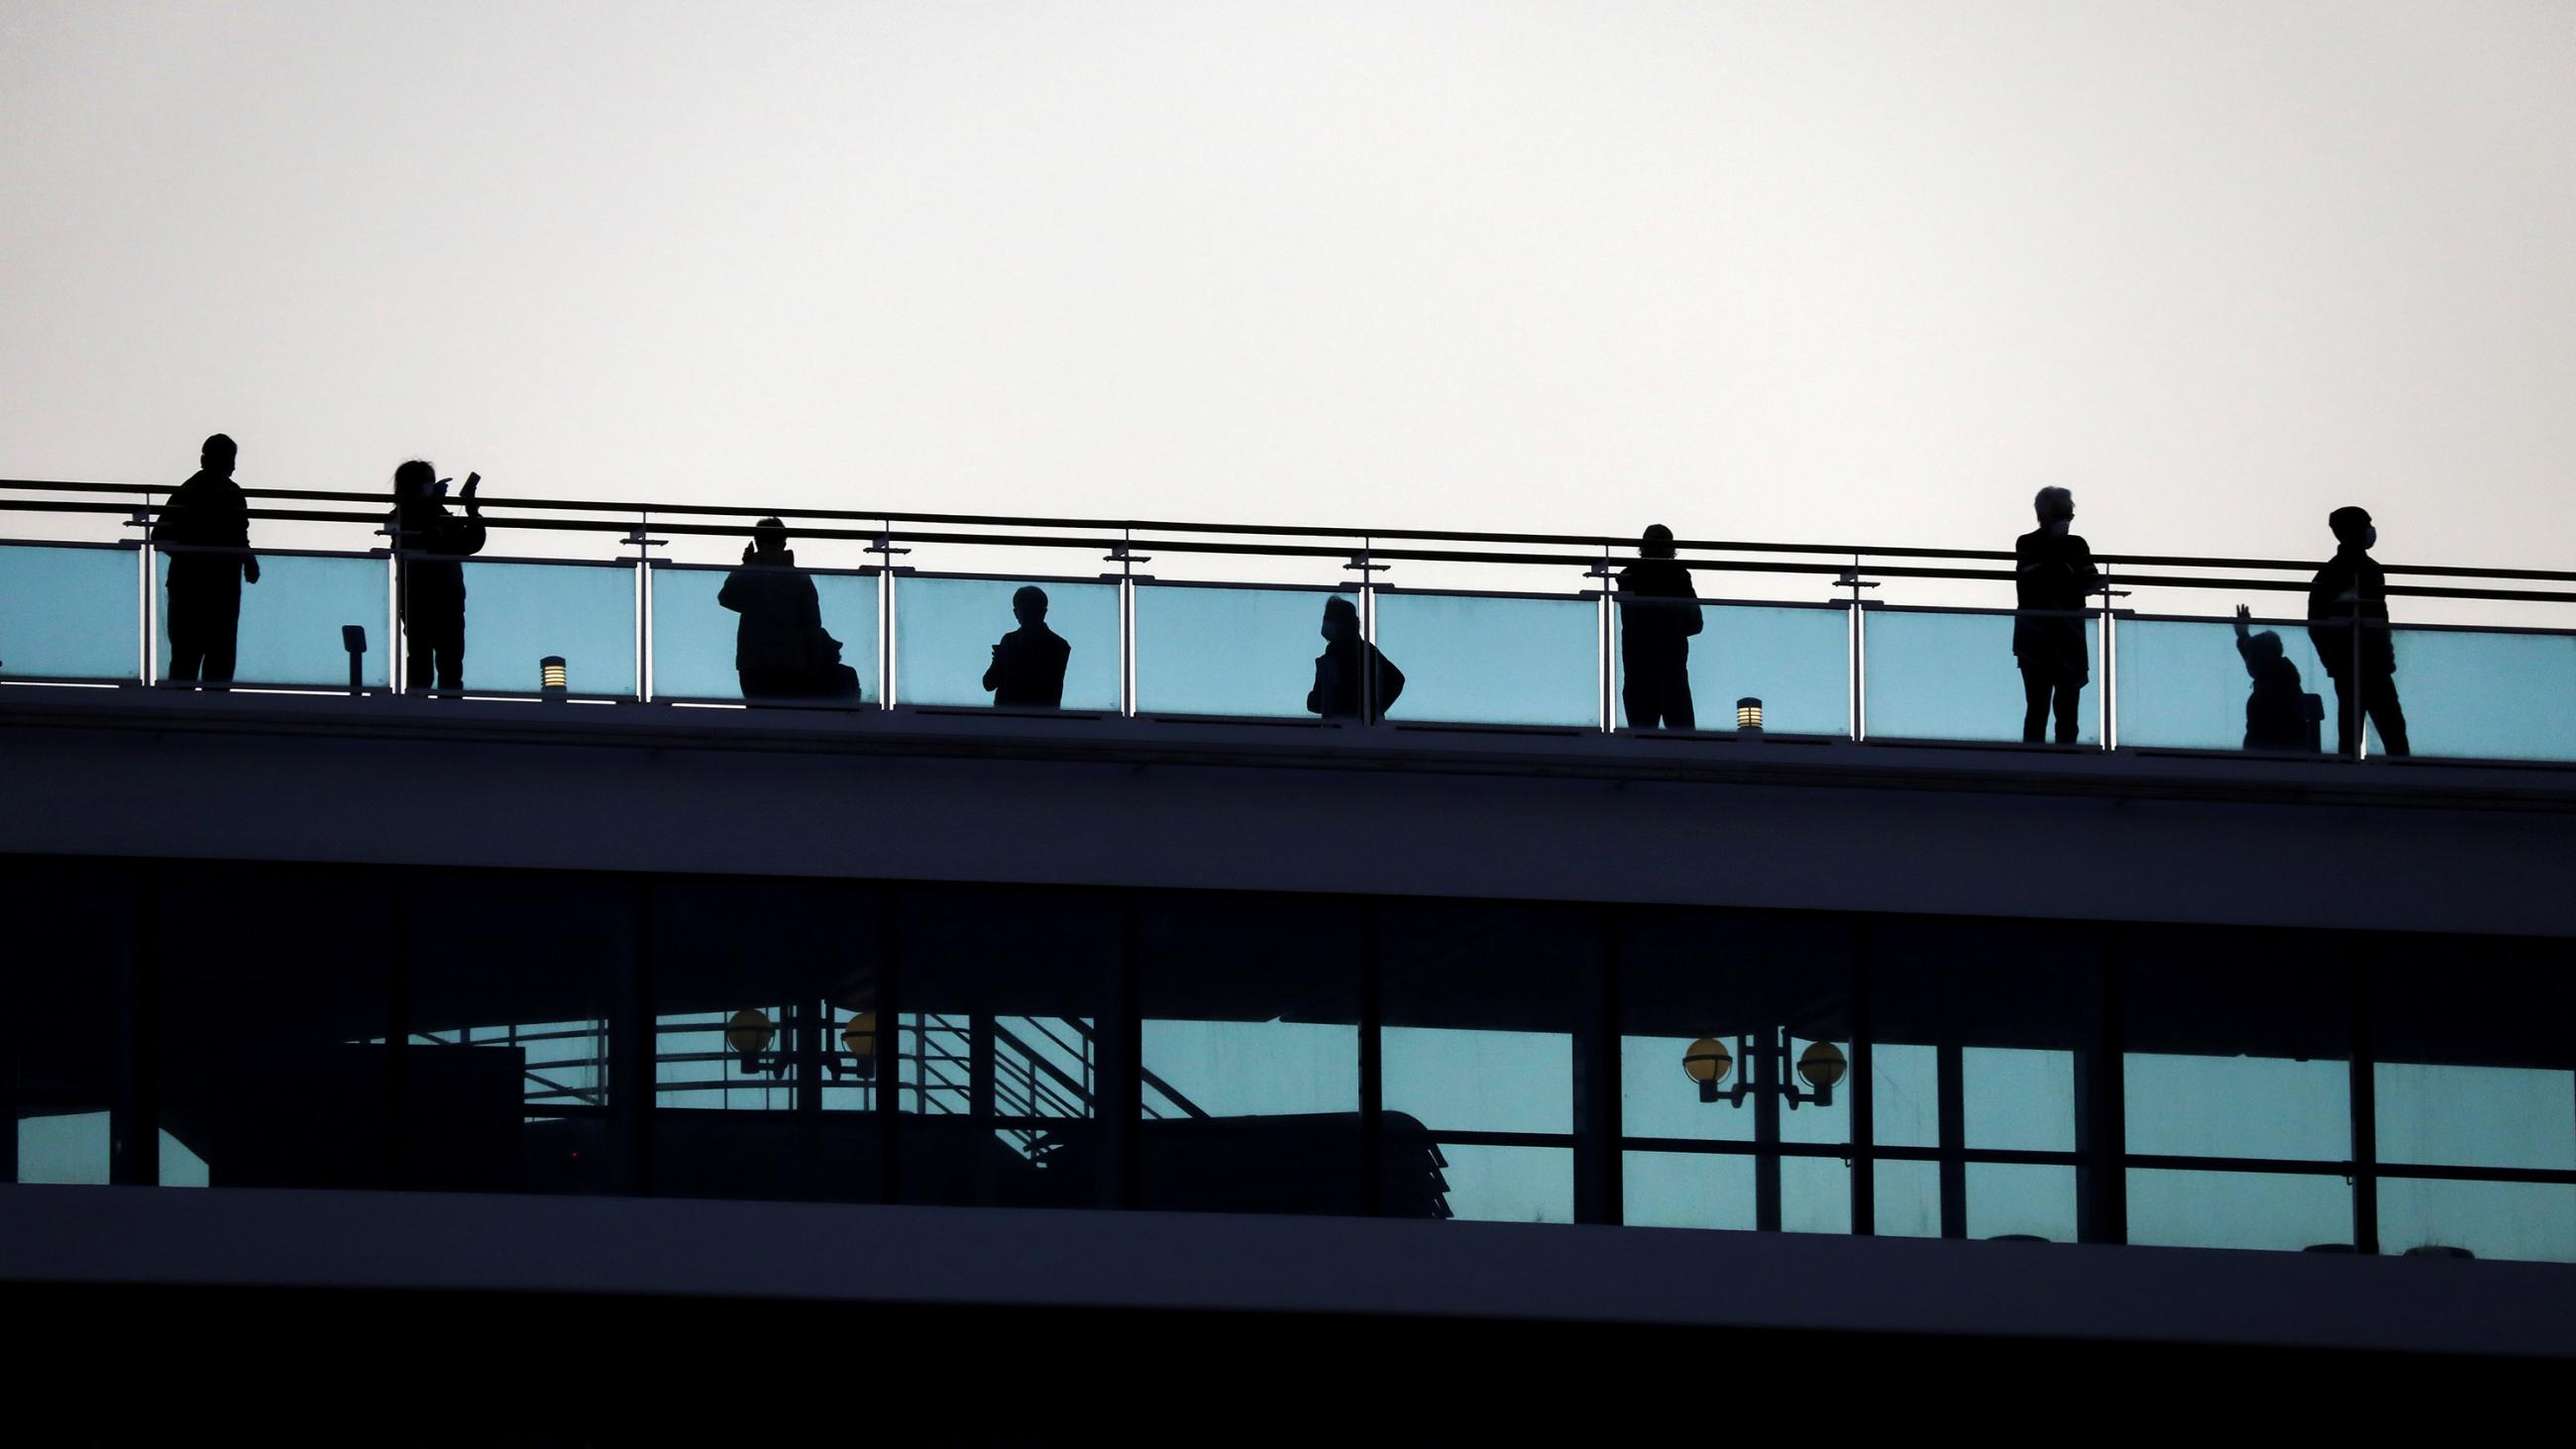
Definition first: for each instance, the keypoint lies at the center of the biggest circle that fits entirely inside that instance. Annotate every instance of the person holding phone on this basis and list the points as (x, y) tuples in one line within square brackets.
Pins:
[(430, 545)]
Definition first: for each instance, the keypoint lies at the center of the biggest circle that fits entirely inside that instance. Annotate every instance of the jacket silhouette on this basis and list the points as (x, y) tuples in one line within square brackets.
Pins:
[(2349, 594), (2052, 570), (431, 545), (204, 603), (1337, 691), (780, 648), (1028, 665), (1658, 614)]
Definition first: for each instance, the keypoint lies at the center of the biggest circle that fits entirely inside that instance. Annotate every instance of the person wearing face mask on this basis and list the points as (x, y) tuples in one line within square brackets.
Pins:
[(2052, 571), (2349, 594)]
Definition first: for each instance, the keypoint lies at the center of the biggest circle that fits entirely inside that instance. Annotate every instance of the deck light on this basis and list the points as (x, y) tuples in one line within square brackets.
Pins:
[(1822, 1064), (1707, 1062), (859, 1038), (552, 680), (748, 1034), (1748, 714)]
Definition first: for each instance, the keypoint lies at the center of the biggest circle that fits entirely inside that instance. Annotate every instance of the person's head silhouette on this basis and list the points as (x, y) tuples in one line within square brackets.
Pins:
[(1658, 542), (415, 479), (2265, 646), (1341, 619), (2352, 527), (769, 535), (217, 456), (2055, 507), (1029, 605)]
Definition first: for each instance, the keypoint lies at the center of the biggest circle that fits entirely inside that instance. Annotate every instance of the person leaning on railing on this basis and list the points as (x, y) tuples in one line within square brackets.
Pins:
[(2052, 571), (430, 544), (207, 512)]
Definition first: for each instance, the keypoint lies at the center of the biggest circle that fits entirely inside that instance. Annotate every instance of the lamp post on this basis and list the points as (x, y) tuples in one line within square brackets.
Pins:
[(1821, 1066)]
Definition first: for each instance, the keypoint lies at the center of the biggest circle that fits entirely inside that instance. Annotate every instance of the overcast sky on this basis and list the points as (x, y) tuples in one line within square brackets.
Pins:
[(1814, 272)]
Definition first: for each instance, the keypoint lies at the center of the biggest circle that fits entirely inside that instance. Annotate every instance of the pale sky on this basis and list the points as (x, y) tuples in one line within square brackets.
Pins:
[(1794, 272)]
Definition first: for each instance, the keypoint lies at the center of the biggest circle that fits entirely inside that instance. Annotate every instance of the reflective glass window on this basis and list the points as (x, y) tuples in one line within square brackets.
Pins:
[(1250, 1090)]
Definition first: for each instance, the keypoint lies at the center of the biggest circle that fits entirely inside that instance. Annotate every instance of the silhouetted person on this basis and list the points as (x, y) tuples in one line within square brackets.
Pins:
[(430, 543), (1028, 665), (1658, 614), (780, 648), (1336, 694), (2277, 716), (2052, 570), (207, 511), (2350, 591)]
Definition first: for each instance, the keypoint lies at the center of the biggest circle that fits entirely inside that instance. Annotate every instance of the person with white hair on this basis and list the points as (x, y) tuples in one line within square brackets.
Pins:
[(2053, 575)]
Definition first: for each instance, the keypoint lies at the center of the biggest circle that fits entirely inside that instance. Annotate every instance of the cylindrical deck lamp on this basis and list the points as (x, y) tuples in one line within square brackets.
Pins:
[(552, 680), (1748, 715)]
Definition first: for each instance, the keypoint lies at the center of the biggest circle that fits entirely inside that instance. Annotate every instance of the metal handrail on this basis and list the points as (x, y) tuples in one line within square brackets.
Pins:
[(1107, 527)]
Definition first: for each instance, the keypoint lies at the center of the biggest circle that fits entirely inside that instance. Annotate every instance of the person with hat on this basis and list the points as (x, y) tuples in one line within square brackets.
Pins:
[(2347, 596)]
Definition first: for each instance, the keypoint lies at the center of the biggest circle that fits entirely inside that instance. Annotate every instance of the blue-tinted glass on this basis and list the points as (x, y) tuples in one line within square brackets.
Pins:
[(947, 629), (2016, 1199), (291, 621), (2184, 684), (1217, 651), (1252, 1068), (1493, 660), (519, 613), (1251, 1040), (2532, 1221), (2191, 1106), (2285, 1211), (1797, 661), (1942, 676), (1815, 1195), (1686, 1190), (2019, 1099), (2476, 1116), (693, 635), (1509, 1184), (69, 613), (71, 1147), (1906, 1199), (66, 1147), (1905, 1095), (2479, 695), (1482, 1081)]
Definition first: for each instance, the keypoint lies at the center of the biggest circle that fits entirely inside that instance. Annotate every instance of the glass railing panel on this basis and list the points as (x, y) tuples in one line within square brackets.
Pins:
[(699, 644), (2189, 684), (70, 611), (1492, 658), (1943, 674), (1795, 658), (520, 611), (960, 641), (1211, 649), (2486, 694), (293, 623)]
